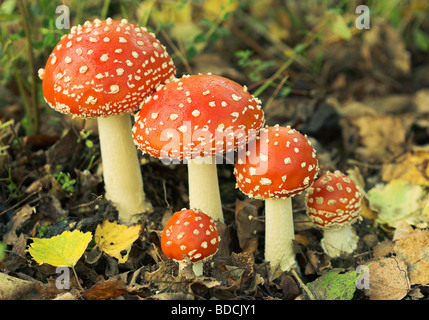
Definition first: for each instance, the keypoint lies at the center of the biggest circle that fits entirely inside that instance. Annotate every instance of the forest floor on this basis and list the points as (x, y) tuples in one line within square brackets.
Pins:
[(367, 114)]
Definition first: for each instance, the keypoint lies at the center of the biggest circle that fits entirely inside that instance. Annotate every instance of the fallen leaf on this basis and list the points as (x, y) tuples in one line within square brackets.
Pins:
[(399, 201), (246, 213), (108, 289), (289, 287), (12, 288), (334, 285), (2, 250), (388, 279), (116, 239), (413, 249), (384, 51), (379, 138), (18, 219), (318, 262), (383, 249), (412, 167), (61, 250)]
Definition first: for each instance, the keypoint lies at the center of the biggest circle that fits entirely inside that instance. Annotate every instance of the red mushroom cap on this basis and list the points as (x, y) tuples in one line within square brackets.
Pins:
[(333, 201), (190, 234), (280, 163), (104, 68), (197, 115)]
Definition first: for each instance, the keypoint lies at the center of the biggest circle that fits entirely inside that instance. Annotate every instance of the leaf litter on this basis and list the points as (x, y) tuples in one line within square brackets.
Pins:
[(357, 113)]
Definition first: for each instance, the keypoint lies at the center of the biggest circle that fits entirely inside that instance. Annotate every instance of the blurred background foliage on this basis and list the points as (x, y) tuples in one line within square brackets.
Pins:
[(260, 43)]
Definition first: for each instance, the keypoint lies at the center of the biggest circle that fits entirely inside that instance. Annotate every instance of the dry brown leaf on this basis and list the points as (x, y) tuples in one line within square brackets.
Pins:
[(18, 219), (12, 288), (383, 249), (413, 249), (388, 279), (412, 167), (244, 261), (317, 262), (108, 289), (246, 213), (384, 51), (380, 138), (160, 277)]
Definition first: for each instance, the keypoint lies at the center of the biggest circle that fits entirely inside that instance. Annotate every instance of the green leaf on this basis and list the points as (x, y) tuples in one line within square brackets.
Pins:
[(334, 285), (61, 250), (340, 27), (2, 250), (422, 40)]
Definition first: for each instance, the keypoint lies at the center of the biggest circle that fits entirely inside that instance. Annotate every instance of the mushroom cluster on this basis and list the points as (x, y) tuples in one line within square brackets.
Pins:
[(108, 69), (190, 237), (334, 204), (279, 164), (195, 118), (105, 69)]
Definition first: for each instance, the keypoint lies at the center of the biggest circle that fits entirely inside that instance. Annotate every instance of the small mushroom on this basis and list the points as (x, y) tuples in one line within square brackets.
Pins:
[(334, 204), (190, 236), (280, 164), (195, 118), (104, 70)]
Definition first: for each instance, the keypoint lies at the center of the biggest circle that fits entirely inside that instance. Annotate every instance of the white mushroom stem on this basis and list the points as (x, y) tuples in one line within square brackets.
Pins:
[(203, 187), (338, 241), (279, 233), (197, 267), (121, 168)]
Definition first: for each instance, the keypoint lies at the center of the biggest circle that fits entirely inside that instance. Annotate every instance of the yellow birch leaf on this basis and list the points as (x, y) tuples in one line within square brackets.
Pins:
[(116, 239), (64, 249)]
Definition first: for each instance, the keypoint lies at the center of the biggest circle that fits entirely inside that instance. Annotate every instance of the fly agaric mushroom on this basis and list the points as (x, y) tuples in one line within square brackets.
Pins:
[(278, 165), (105, 69), (190, 236), (333, 204), (196, 118)]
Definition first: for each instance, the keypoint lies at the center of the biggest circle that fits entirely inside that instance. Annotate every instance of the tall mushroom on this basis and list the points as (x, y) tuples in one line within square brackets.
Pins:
[(196, 118), (278, 165), (105, 69), (190, 237), (334, 204)]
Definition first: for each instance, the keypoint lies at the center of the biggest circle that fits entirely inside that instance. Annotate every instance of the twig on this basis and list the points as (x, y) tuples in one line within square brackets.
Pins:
[(276, 91), (17, 204), (303, 286)]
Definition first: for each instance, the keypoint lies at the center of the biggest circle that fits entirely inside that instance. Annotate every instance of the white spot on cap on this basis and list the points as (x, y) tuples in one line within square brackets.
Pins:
[(235, 97), (104, 57), (114, 88), (183, 128), (91, 100), (265, 181)]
